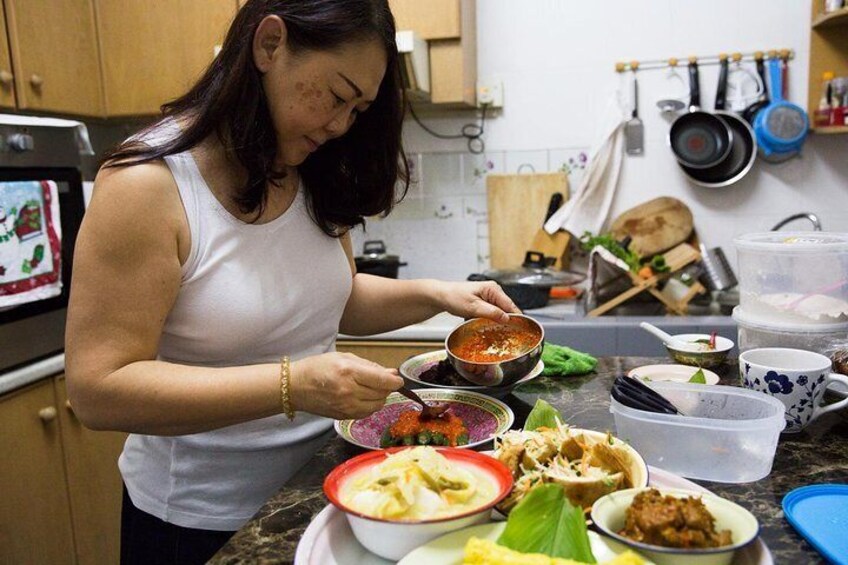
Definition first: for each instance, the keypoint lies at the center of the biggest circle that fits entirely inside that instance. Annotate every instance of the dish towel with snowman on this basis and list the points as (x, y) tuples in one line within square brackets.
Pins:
[(30, 242)]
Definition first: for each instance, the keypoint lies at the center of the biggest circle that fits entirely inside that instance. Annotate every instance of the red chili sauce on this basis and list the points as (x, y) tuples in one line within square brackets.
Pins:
[(495, 344), (411, 423)]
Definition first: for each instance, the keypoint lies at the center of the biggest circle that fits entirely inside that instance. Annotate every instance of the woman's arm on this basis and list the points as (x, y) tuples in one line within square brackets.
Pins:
[(126, 279), (379, 304)]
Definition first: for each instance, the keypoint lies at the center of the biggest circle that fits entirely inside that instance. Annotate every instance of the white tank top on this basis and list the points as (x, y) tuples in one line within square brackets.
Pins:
[(249, 294)]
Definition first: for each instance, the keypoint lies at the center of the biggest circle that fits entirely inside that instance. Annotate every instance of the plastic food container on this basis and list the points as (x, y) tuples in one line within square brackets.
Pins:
[(728, 434), (796, 278), (824, 338)]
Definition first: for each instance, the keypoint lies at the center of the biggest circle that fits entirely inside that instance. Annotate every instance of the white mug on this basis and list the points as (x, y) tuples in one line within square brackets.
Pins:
[(796, 377)]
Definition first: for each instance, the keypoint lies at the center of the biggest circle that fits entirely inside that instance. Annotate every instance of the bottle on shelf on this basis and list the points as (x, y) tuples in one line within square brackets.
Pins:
[(824, 113)]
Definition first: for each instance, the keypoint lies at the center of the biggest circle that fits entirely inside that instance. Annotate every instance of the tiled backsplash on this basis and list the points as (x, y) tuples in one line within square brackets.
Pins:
[(441, 228)]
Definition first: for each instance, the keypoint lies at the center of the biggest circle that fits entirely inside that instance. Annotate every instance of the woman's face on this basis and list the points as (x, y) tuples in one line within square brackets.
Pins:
[(314, 96)]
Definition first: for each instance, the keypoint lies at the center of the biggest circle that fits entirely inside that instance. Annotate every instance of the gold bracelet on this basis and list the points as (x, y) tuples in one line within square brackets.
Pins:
[(285, 396)]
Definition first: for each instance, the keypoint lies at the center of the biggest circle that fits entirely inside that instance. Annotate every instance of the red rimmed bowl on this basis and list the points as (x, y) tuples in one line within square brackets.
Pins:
[(392, 539)]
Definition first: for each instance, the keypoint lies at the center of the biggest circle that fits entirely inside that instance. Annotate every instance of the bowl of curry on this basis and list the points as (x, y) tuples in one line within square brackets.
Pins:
[(488, 353)]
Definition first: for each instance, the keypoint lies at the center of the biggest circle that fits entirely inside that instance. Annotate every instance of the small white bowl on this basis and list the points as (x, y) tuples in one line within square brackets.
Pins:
[(392, 539), (692, 355), (608, 514), (671, 373)]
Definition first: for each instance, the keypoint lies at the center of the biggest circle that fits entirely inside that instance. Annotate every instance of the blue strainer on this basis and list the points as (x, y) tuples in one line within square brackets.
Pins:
[(781, 127)]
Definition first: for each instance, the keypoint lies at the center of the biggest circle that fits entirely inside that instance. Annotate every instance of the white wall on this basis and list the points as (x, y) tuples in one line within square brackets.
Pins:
[(556, 60)]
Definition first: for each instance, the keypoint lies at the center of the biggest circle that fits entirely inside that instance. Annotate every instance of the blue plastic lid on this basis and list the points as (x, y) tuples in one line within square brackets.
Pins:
[(820, 514)]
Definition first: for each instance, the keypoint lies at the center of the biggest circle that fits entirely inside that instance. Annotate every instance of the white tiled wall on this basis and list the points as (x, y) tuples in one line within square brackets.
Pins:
[(556, 59)]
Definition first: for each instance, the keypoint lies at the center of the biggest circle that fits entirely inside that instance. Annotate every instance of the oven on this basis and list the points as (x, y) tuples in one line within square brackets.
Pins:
[(41, 208)]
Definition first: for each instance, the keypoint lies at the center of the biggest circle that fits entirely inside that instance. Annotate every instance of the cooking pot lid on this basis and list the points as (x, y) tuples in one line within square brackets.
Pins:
[(375, 252), (536, 271)]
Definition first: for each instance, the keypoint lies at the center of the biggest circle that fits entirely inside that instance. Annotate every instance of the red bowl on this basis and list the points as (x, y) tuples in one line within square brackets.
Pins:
[(490, 465)]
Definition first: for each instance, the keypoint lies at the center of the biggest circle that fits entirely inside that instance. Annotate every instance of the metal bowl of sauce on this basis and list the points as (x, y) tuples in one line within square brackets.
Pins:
[(488, 353)]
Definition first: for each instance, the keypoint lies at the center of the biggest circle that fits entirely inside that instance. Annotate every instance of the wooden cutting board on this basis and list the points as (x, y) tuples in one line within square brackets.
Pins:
[(655, 226), (517, 207)]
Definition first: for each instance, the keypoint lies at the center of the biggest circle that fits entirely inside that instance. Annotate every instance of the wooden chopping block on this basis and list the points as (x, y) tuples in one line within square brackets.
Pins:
[(654, 226), (517, 207)]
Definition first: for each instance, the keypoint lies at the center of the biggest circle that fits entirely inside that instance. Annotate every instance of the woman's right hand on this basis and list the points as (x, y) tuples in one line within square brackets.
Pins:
[(340, 385)]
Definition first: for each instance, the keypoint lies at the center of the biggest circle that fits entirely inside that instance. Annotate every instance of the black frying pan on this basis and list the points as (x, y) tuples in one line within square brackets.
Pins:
[(743, 147), (699, 139)]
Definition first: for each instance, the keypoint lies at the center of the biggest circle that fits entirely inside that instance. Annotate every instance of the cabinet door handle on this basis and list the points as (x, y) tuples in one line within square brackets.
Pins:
[(6, 78), (36, 81), (47, 414)]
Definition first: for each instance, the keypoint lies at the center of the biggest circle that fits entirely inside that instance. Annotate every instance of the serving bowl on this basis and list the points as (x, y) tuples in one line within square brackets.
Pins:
[(413, 369), (697, 356), (608, 514), (671, 373), (392, 539), (472, 341), (483, 416)]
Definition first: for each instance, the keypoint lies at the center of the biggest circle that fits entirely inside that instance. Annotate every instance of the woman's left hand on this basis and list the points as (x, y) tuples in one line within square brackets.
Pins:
[(476, 300)]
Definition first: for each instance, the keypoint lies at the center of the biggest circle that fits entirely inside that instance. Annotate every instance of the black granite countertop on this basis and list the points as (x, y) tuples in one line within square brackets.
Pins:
[(819, 454)]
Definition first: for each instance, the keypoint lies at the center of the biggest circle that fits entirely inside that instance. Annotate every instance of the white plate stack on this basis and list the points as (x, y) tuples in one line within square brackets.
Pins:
[(793, 291)]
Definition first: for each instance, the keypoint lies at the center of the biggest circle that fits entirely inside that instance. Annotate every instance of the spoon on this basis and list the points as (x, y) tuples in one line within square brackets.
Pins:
[(668, 339), (427, 410)]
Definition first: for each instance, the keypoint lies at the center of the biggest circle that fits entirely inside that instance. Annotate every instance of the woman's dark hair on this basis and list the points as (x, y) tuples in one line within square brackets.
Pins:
[(347, 178)]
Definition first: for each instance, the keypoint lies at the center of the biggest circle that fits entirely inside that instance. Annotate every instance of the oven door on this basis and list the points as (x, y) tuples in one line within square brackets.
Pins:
[(32, 317)]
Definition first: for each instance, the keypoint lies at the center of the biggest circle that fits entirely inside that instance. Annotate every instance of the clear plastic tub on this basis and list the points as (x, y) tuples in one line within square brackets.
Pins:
[(728, 434), (823, 338), (793, 277)]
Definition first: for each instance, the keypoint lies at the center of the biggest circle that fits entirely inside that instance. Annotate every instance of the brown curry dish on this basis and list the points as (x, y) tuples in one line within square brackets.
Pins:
[(668, 521)]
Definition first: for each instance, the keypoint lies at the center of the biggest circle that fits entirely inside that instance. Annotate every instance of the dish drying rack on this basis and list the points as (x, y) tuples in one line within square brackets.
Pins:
[(676, 259)]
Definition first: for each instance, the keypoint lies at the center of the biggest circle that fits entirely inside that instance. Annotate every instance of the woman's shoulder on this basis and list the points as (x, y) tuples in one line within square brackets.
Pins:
[(137, 194)]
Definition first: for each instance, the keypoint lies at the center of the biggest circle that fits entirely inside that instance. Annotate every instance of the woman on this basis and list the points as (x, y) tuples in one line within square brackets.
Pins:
[(213, 272)]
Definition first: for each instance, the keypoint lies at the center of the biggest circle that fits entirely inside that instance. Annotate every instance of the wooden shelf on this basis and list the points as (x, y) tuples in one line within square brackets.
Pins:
[(831, 130), (837, 18)]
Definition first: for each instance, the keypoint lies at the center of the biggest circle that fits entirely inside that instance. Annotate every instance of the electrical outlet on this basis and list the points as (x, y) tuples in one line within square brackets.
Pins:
[(490, 92)]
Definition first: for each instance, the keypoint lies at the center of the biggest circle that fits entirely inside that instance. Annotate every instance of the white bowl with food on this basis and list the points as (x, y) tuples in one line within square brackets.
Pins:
[(587, 464), (674, 374), (671, 526), (700, 350), (398, 499)]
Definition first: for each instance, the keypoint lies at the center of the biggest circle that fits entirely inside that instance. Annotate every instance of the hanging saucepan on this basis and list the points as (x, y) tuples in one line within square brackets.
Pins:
[(530, 286), (750, 112), (743, 148), (699, 139), (375, 261), (781, 127)]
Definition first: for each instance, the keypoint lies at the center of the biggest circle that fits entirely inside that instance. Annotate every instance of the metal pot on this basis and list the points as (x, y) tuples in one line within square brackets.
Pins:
[(375, 261), (530, 286)]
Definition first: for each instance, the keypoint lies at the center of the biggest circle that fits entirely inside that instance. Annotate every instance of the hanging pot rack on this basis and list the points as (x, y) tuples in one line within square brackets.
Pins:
[(784, 54)]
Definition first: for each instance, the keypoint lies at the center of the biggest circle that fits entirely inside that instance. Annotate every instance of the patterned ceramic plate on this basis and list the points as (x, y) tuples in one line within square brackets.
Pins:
[(484, 417), (414, 366)]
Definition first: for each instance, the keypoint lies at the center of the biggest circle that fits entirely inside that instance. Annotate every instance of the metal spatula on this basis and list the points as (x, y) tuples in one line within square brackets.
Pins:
[(634, 131)]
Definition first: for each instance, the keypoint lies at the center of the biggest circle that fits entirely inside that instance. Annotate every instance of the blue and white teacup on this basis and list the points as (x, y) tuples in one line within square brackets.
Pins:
[(796, 377)]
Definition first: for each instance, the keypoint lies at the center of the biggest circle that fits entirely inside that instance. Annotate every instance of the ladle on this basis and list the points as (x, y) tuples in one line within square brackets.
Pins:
[(427, 410)]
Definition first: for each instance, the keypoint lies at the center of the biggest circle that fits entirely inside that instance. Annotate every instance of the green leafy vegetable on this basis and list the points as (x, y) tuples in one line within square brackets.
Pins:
[(608, 242), (658, 264), (543, 415), (545, 522), (698, 377)]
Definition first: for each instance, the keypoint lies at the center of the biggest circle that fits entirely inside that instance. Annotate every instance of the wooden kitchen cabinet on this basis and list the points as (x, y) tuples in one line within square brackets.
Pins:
[(94, 485), (154, 51), (55, 57), (450, 28), (388, 353), (828, 52), (7, 78), (35, 515)]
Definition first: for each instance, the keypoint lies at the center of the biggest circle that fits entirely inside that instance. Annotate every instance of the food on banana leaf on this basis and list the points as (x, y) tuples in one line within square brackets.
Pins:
[(486, 552)]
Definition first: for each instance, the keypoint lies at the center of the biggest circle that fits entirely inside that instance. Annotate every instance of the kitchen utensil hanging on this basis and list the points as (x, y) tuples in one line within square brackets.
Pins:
[(743, 146), (699, 139), (634, 131), (744, 86), (781, 127), (676, 101), (750, 112)]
